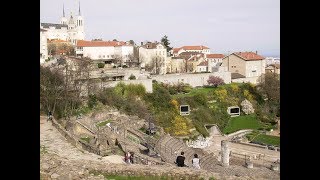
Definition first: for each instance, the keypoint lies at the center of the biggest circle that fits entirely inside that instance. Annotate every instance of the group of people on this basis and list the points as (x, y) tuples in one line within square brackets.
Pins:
[(128, 157), (195, 161)]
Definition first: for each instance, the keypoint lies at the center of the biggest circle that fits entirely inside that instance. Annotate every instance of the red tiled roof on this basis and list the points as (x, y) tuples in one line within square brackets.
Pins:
[(215, 56), (204, 63), (194, 47), (82, 43), (175, 50), (249, 56)]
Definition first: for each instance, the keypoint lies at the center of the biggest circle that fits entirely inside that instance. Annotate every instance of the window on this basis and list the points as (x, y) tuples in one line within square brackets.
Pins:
[(254, 70)]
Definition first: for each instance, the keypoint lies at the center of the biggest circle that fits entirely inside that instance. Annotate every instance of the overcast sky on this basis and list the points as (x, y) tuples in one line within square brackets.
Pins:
[(222, 25)]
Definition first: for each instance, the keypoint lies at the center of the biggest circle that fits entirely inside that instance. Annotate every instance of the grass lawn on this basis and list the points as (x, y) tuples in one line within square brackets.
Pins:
[(103, 123), (271, 140), (242, 122)]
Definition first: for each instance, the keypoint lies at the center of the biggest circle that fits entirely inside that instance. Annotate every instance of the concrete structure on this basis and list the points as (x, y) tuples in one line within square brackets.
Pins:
[(248, 64), (225, 152), (153, 57), (119, 52), (200, 49), (69, 29), (195, 80), (43, 45)]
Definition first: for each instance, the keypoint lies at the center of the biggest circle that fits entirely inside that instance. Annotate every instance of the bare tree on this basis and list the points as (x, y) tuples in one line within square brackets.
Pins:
[(118, 60), (51, 87)]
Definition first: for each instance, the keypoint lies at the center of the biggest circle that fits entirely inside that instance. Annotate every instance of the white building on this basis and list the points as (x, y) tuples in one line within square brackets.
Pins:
[(272, 60), (214, 60), (153, 57), (200, 49), (69, 29), (43, 46), (202, 67), (106, 51)]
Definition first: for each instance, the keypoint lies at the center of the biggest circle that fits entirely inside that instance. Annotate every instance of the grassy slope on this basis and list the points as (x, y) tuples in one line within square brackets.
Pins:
[(272, 140), (242, 122)]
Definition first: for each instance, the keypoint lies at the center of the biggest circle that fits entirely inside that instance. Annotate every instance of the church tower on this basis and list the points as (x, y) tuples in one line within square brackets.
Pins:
[(79, 25), (63, 19)]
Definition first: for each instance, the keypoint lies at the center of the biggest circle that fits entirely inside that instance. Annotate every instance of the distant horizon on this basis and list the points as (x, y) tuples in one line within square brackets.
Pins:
[(223, 26)]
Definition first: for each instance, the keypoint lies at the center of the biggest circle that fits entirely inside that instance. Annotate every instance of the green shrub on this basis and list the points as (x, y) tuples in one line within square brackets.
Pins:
[(92, 101), (101, 65), (132, 77)]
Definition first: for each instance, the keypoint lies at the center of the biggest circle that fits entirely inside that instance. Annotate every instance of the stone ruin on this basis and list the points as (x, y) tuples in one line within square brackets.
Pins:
[(200, 142), (247, 107)]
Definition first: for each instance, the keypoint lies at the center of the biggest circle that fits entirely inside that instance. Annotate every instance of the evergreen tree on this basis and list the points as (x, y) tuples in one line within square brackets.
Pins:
[(166, 42)]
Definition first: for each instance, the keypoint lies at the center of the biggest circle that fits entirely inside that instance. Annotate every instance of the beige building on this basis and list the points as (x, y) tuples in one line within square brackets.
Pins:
[(153, 57), (176, 65), (193, 62), (245, 64)]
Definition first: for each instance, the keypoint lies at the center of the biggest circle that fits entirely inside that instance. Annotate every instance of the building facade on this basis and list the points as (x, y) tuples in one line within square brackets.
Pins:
[(199, 49), (107, 51), (247, 64), (43, 46), (153, 57), (69, 29)]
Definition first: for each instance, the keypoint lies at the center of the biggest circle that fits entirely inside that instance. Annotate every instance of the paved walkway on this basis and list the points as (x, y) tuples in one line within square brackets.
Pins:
[(55, 143)]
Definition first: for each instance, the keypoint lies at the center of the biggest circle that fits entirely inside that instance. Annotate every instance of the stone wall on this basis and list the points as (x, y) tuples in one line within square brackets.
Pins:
[(195, 80), (253, 80), (73, 140)]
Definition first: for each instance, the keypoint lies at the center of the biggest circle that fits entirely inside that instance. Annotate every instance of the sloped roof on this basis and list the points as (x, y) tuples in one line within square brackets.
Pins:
[(83, 43), (249, 56), (215, 56), (194, 47), (204, 63)]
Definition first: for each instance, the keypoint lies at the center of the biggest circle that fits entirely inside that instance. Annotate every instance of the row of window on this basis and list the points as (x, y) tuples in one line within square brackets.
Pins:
[(104, 56), (110, 56), (233, 66), (163, 53)]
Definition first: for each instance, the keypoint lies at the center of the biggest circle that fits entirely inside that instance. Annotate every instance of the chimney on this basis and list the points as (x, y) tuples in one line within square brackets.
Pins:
[(141, 43), (256, 52)]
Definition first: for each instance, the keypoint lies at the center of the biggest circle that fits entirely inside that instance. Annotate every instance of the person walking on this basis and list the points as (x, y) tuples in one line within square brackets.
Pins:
[(180, 160), (196, 162), (131, 157), (127, 157), (49, 116)]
